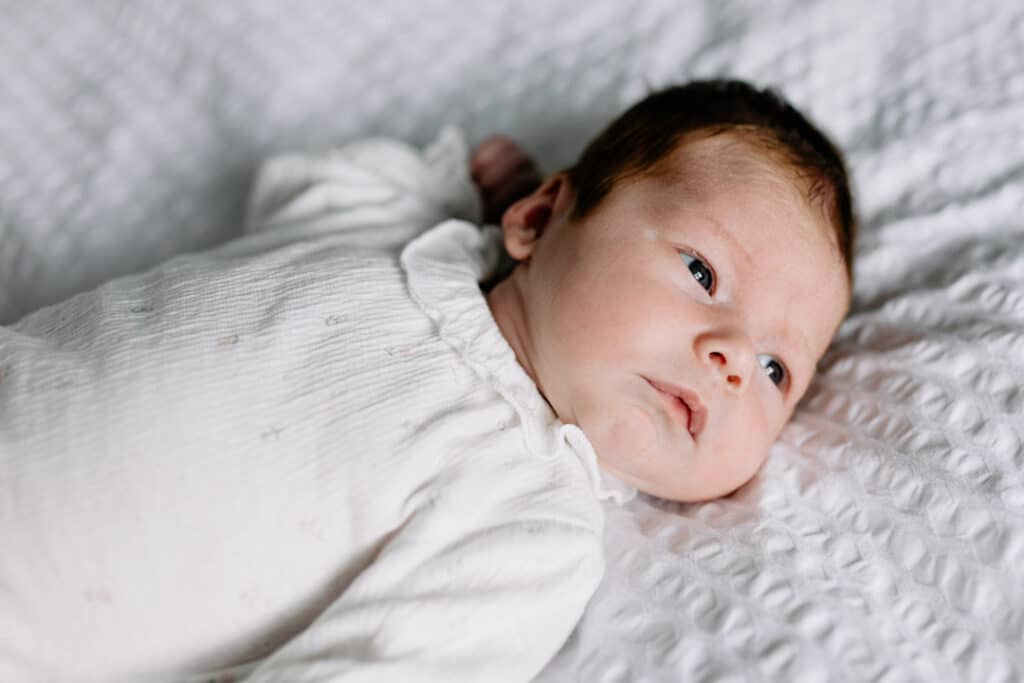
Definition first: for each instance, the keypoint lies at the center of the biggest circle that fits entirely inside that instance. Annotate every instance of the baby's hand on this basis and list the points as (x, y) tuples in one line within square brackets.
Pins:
[(504, 173)]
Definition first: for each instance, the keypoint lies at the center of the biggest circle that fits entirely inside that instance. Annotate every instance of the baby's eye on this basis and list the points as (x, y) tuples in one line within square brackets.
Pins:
[(775, 370), (700, 270)]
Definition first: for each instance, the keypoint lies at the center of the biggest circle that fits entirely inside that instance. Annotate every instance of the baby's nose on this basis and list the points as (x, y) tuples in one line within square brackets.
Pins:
[(731, 356), (733, 379)]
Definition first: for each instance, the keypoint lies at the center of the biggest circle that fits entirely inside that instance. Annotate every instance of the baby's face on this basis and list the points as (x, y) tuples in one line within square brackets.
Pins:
[(681, 321)]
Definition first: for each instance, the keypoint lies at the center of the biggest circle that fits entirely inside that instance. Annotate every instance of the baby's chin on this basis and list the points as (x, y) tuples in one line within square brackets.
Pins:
[(627, 444), (633, 445)]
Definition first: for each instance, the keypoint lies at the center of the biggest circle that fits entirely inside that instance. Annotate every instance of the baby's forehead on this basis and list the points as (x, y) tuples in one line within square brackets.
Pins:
[(700, 162), (793, 246), (741, 165)]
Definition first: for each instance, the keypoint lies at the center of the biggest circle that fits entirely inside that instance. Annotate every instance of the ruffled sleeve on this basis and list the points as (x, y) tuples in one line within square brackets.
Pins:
[(382, 192)]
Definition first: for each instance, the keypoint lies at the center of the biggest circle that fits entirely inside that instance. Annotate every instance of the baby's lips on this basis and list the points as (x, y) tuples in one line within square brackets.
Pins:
[(698, 412), (698, 418), (694, 405)]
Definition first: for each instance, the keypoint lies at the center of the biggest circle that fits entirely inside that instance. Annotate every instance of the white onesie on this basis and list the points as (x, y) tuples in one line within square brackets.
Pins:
[(307, 455)]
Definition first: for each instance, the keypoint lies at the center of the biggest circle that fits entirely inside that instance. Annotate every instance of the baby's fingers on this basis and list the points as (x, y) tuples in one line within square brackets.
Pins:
[(499, 197), (496, 159)]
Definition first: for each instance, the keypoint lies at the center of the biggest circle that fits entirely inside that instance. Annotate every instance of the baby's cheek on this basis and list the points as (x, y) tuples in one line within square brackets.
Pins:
[(627, 434)]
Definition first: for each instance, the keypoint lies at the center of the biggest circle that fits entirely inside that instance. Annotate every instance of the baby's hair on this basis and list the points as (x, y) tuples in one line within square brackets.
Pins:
[(653, 128)]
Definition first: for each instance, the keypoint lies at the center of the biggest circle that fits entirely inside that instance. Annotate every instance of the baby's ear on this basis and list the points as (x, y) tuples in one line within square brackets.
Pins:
[(524, 222)]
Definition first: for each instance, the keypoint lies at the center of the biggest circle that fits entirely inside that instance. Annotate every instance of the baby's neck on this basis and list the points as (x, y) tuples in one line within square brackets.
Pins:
[(509, 311)]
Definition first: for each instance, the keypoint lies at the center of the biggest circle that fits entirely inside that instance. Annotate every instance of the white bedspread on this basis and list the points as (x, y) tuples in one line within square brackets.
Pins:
[(884, 540)]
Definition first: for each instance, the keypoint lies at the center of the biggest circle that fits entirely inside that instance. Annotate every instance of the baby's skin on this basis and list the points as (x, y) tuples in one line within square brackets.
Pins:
[(503, 173), (680, 322)]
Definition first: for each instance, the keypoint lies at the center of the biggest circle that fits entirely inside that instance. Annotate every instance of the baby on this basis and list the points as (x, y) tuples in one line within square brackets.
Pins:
[(351, 446), (678, 285)]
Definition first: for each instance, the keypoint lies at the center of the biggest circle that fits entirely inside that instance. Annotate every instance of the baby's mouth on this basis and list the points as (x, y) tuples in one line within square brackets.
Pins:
[(684, 405)]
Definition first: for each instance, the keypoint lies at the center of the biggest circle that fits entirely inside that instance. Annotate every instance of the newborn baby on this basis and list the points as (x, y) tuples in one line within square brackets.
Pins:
[(361, 443)]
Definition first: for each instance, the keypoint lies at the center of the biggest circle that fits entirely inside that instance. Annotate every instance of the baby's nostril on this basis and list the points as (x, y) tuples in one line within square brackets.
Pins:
[(717, 357), (734, 380)]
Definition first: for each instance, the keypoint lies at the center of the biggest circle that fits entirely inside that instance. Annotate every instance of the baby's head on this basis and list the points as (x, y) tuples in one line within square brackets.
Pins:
[(677, 286)]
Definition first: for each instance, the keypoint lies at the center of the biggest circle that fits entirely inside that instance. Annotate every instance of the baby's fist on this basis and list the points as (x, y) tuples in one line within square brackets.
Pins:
[(504, 173)]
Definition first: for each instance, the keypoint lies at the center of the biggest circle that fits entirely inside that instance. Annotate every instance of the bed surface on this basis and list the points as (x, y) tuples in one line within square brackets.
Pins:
[(884, 539)]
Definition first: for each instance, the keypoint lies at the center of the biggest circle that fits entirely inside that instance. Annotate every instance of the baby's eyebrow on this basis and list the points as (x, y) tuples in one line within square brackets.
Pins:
[(722, 232), (802, 346), (793, 339)]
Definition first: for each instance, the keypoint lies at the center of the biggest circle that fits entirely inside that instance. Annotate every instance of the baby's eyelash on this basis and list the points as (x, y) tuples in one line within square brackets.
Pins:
[(776, 370), (702, 272)]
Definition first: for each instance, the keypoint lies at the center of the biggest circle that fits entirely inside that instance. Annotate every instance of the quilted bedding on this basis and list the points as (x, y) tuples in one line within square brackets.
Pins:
[(884, 539)]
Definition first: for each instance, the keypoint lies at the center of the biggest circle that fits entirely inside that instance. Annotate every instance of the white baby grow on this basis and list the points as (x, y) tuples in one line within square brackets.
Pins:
[(884, 539)]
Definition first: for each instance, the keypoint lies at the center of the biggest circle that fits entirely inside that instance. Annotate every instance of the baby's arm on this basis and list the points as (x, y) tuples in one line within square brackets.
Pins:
[(376, 192), (385, 192), (495, 605)]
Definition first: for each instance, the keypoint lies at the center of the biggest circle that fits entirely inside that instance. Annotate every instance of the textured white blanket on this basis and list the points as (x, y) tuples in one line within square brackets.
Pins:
[(885, 538)]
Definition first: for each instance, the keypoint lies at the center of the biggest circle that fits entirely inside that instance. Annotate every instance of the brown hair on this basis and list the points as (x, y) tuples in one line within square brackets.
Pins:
[(653, 128)]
